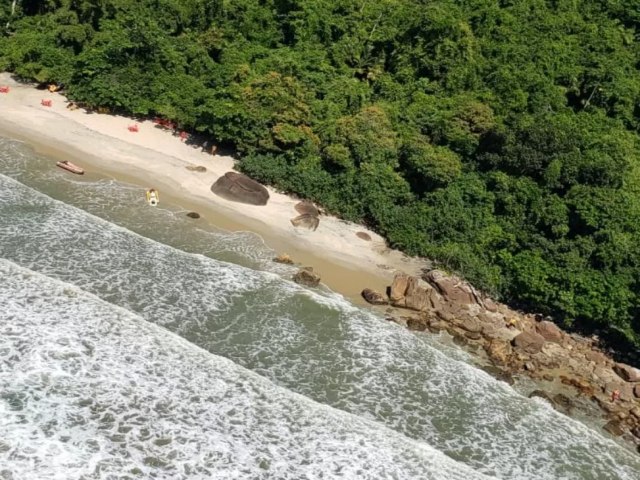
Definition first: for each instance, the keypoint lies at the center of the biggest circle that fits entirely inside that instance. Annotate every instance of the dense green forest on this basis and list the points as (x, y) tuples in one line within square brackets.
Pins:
[(498, 137)]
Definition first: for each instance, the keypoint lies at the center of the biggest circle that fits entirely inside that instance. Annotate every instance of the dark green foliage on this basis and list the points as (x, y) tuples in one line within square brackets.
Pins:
[(499, 138)]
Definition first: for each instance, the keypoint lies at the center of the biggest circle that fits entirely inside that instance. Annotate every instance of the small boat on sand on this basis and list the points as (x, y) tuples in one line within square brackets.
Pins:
[(72, 167)]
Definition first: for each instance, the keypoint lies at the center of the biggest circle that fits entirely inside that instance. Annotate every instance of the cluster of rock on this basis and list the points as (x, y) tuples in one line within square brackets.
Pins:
[(518, 343), (304, 275)]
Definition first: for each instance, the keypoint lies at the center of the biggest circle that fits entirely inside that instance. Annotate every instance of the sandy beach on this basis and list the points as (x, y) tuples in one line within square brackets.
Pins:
[(154, 157)]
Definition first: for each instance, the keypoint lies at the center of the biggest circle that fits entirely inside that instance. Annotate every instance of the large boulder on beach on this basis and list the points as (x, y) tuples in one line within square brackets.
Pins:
[(237, 187)]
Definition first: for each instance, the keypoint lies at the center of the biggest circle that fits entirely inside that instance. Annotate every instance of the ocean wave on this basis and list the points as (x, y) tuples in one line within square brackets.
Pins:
[(313, 343), (92, 391)]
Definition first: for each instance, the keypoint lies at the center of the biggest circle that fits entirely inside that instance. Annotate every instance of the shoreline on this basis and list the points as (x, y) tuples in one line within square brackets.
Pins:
[(570, 370), (153, 157)]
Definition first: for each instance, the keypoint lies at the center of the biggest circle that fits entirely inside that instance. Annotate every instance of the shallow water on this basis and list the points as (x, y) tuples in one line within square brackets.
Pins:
[(220, 292)]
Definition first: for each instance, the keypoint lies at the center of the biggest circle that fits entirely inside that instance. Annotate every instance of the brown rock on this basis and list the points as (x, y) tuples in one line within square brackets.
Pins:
[(549, 331), (374, 297), (468, 323), (627, 372), (416, 296), (305, 276), (580, 384), (636, 391), (635, 411), (283, 258), (398, 289), (193, 215), (614, 427), (445, 315), (596, 356), (498, 351), (451, 288), (364, 236), (528, 342), (499, 333), (490, 305), (636, 432)]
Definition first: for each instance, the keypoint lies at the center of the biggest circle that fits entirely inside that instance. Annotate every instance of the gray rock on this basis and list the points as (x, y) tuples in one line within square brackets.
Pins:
[(237, 187)]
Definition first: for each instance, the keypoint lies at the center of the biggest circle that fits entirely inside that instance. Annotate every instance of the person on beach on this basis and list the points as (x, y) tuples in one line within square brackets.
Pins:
[(615, 395)]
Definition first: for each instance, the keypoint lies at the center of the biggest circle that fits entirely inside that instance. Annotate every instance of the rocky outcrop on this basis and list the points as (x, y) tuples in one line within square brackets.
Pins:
[(520, 344), (237, 187), (306, 276)]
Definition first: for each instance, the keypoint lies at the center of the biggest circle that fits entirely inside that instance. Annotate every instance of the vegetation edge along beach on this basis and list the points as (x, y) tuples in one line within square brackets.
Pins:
[(498, 138)]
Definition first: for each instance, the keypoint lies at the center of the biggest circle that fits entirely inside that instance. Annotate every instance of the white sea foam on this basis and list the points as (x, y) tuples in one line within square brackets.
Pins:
[(313, 343), (91, 391)]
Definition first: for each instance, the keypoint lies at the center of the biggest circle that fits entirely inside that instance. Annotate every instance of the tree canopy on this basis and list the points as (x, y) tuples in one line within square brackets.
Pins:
[(499, 138)]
